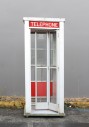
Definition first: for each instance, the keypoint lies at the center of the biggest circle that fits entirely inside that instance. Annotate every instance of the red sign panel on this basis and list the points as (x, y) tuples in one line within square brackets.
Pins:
[(44, 24)]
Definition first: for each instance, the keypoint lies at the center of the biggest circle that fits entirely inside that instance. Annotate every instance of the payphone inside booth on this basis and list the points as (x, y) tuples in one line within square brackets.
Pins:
[(44, 66)]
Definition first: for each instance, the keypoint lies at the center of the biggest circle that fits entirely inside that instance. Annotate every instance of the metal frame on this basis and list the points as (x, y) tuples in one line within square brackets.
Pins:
[(27, 46), (60, 68)]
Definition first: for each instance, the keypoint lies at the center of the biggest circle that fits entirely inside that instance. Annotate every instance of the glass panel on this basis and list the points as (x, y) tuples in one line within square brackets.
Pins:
[(32, 49), (53, 49), (41, 49), (32, 68), (42, 74), (53, 85), (32, 57), (33, 40), (33, 73), (41, 57), (41, 85), (41, 41), (33, 84)]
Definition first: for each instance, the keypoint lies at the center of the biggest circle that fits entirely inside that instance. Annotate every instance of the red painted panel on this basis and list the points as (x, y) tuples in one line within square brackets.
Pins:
[(44, 24), (32, 88), (41, 88)]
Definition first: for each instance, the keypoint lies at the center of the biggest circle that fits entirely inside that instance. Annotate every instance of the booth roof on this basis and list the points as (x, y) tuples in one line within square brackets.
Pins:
[(43, 19)]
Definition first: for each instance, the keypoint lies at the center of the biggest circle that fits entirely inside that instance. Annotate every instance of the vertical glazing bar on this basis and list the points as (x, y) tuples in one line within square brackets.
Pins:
[(48, 67), (35, 67)]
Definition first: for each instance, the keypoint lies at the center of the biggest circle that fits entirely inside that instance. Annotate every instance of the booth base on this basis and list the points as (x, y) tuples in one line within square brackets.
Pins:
[(43, 113)]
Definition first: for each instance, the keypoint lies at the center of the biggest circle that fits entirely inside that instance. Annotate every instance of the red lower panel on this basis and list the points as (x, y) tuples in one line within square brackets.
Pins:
[(41, 88)]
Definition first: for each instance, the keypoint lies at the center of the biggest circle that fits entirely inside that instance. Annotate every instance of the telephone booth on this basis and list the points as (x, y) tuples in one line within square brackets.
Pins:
[(44, 66)]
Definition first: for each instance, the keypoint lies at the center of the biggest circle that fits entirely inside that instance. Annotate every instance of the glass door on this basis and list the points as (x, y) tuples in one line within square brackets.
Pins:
[(44, 69), (53, 72), (41, 70)]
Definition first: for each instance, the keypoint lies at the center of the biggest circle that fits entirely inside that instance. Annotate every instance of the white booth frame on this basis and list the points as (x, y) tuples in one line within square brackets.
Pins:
[(60, 63)]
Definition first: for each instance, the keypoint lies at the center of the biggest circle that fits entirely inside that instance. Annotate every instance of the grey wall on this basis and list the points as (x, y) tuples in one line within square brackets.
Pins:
[(76, 13)]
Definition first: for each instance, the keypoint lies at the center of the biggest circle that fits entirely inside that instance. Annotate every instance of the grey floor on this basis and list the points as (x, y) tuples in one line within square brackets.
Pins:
[(74, 117)]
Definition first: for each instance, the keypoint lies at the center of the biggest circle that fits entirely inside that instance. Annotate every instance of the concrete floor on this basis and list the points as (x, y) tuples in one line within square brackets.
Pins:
[(73, 116)]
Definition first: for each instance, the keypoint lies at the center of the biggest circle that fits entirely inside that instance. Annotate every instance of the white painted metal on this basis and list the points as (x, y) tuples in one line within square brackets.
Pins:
[(48, 67), (43, 28), (59, 106), (53, 107), (41, 67), (27, 67), (54, 67), (35, 67), (45, 112), (41, 105), (43, 19), (60, 65)]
